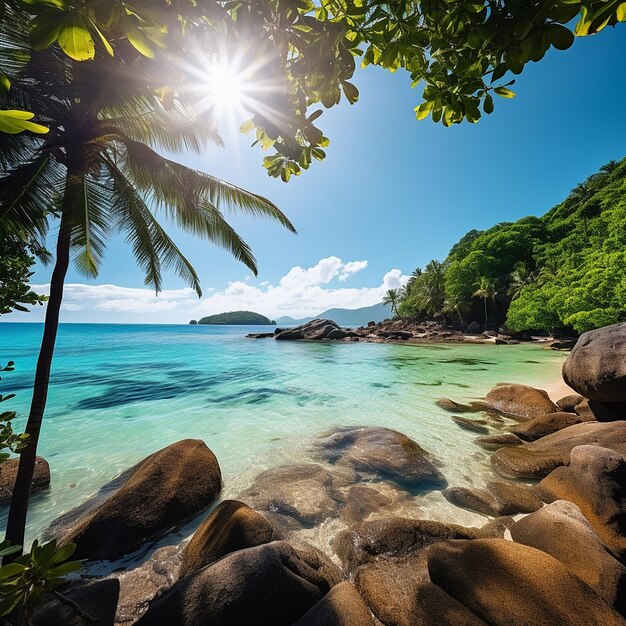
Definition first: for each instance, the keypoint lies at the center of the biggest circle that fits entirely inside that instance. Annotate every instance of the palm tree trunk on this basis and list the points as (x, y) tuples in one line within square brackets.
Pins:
[(485, 301), (21, 492)]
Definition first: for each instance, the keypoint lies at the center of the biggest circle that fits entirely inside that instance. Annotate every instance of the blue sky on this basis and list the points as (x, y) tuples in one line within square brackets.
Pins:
[(393, 192)]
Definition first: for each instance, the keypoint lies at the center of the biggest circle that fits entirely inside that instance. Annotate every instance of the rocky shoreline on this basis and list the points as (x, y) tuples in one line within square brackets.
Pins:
[(552, 549), (408, 332)]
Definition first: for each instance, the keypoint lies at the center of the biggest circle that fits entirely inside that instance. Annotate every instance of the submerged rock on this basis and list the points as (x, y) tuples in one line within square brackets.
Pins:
[(596, 367), (456, 407), (538, 458), (165, 489), (307, 493), (269, 584), (476, 426), (494, 442), (499, 499), (562, 531), (341, 606), (545, 425), (382, 453), (231, 526), (8, 474), (595, 481), (520, 401), (509, 584)]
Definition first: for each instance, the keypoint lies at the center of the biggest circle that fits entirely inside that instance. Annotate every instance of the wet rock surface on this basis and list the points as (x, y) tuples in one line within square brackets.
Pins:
[(494, 442), (165, 489), (8, 474), (382, 453), (520, 401), (545, 425)]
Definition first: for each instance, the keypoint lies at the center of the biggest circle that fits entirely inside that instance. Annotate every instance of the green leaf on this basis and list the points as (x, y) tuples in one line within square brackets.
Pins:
[(105, 41), (488, 104), (560, 37), (351, 92), (5, 83), (136, 38), (247, 126), (504, 92), (15, 122), (64, 553), (75, 39), (621, 12), (46, 28)]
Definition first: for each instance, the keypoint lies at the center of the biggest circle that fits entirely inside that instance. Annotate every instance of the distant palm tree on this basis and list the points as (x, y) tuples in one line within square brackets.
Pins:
[(433, 292), (580, 196), (520, 277), (485, 290), (392, 297), (96, 172), (608, 168)]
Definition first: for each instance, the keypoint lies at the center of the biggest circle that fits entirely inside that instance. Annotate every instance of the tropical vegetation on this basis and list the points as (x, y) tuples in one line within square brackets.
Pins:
[(564, 270), (237, 317)]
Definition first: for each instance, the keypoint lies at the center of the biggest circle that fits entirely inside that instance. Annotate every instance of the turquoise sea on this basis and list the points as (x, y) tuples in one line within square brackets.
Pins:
[(120, 392)]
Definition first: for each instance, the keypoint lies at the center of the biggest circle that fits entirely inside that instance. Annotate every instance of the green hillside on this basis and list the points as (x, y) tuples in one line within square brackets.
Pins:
[(566, 269), (239, 318)]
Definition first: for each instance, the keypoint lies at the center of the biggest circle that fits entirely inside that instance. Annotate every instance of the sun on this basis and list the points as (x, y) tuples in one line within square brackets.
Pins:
[(226, 86)]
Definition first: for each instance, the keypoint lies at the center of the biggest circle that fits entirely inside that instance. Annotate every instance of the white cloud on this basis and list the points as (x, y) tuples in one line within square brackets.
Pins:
[(299, 293)]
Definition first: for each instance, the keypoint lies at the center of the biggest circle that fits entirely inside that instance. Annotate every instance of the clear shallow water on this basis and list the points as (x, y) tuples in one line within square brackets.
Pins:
[(120, 392)]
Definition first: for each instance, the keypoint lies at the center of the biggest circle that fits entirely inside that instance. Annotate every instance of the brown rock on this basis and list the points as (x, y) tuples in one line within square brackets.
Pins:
[(268, 584), (382, 453), (509, 584), (8, 473), (96, 602), (538, 458), (590, 410), (596, 367), (495, 442), (477, 426), (165, 489), (520, 401), (477, 500), (513, 498), (362, 501), (562, 531), (545, 425), (434, 607), (341, 606), (594, 480), (455, 407), (568, 403), (231, 526)]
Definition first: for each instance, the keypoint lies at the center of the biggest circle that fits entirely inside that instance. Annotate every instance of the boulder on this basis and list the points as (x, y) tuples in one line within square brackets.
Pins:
[(562, 531), (165, 489), (434, 607), (337, 333), (495, 442), (381, 453), (513, 498), (476, 426), (538, 458), (520, 401), (474, 327), (143, 583), (456, 407), (590, 410), (394, 537), (361, 501), (596, 367), (477, 500), (307, 493), (568, 403), (91, 605), (313, 330), (545, 425), (561, 344), (595, 481), (8, 474), (231, 526), (273, 583), (509, 584), (341, 606)]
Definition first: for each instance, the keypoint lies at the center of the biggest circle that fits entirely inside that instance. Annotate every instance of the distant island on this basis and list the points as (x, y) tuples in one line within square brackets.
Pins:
[(345, 317), (236, 318)]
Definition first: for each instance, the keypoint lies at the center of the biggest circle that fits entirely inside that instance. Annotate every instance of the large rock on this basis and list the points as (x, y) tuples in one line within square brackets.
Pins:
[(561, 530), (306, 493), (313, 330), (341, 606), (91, 605), (231, 526), (568, 403), (596, 367), (8, 474), (499, 499), (382, 453), (394, 537), (595, 480), (434, 607), (520, 401), (495, 442), (538, 458), (269, 584), (509, 584), (476, 426), (545, 425), (456, 407), (165, 489), (472, 499), (600, 411)]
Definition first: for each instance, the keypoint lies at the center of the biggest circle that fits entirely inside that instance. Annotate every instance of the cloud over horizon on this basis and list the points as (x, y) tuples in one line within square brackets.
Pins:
[(299, 293)]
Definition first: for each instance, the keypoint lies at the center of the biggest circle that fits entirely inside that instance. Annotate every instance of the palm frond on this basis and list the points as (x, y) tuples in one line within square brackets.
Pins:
[(90, 204), (27, 194), (152, 246)]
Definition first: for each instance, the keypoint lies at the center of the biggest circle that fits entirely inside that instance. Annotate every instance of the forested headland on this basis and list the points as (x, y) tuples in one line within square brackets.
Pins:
[(562, 271)]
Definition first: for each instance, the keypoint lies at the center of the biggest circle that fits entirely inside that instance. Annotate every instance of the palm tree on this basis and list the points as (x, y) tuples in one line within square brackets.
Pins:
[(392, 297), (432, 295), (608, 168), (580, 196), (97, 172), (485, 290), (520, 277)]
